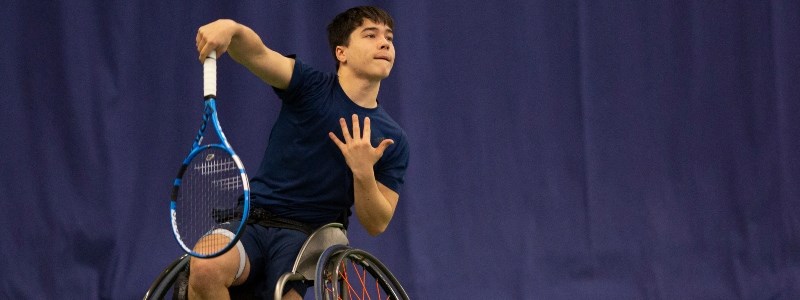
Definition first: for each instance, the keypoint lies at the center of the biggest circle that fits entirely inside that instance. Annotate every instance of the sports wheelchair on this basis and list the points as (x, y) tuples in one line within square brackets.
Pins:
[(336, 270)]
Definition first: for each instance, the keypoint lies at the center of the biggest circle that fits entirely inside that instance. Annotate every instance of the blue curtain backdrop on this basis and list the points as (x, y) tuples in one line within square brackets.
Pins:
[(560, 149)]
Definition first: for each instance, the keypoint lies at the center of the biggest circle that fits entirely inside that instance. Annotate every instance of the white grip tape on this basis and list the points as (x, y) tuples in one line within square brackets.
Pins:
[(210, 75)]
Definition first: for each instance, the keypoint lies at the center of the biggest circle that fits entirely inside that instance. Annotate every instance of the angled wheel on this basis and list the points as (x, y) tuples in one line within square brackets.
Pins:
[(348, 273), (164, 283)]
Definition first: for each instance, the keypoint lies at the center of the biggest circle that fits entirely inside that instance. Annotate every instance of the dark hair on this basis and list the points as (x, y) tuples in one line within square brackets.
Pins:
[(343, 24)]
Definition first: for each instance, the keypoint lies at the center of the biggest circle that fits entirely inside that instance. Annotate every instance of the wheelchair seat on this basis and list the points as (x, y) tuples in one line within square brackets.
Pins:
[(326, 236)]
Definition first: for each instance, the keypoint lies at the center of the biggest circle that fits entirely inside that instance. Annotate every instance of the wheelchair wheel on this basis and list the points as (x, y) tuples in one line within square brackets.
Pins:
[(177, 270), (348, 273)]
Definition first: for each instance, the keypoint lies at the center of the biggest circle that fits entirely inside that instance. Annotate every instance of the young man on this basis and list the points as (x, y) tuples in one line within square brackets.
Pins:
[(320, 159)]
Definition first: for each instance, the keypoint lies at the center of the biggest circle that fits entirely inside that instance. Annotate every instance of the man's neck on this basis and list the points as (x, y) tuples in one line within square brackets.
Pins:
[(363, 92)]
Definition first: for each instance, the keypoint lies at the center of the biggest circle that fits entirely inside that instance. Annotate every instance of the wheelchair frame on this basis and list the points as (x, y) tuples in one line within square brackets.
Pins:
[(324, 247)]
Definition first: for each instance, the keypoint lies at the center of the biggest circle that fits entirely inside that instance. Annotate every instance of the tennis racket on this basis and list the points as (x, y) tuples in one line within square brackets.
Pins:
[(210, 198)]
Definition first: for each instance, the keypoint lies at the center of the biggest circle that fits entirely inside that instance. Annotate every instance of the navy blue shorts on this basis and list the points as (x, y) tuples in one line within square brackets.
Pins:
[(272, 252)]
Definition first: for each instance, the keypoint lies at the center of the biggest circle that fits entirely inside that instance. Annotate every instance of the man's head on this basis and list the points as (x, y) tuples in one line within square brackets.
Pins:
[(366, 25)]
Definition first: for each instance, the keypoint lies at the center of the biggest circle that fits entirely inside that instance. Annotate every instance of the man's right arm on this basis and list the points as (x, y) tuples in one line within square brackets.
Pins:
[(246, 48)]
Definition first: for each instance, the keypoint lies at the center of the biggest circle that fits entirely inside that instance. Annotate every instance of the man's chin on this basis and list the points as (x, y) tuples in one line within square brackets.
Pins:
[(381, 75)]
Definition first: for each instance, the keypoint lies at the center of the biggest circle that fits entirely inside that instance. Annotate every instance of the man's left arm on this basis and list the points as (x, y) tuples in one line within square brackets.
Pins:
[(374, 202)]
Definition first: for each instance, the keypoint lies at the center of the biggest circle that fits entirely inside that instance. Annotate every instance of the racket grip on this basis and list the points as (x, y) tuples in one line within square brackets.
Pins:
[(210, 75)]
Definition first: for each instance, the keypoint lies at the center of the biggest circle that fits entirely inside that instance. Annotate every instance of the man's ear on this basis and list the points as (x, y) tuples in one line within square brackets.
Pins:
[(341, 55)]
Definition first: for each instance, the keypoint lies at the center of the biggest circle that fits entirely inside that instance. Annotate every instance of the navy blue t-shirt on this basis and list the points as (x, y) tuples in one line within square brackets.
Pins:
[(303, 175)]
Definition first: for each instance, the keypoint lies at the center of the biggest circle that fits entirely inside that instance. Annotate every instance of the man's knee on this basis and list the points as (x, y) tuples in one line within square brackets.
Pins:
[(207, 273)]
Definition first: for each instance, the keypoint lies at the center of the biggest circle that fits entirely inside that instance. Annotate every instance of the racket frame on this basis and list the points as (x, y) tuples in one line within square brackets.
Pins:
[(209, 114)]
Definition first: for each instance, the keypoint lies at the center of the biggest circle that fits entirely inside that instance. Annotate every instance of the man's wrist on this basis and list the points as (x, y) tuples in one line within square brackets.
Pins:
[(363, 175)]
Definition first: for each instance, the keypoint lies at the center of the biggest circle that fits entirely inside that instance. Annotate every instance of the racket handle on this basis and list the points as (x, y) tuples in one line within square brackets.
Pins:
[(210, 75)]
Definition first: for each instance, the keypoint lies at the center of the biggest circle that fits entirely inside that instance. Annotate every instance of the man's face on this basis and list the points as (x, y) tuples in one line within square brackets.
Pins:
[(370, 52)]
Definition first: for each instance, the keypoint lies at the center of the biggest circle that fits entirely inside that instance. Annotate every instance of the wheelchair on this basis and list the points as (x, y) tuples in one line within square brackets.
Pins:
[(336, 270)]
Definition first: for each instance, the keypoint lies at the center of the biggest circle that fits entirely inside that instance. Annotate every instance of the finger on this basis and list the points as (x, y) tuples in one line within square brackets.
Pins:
[(336, 141), (345, 132), (208, 47), (200, 44), (197, 37), (383, 145), (356, 127), (367, 129), (204, 51)]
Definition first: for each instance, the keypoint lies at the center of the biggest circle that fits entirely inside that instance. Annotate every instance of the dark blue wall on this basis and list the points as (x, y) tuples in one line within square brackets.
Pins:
[(560, 149)]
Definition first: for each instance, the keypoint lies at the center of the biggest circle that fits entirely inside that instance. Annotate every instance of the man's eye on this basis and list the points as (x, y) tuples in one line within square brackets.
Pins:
[(372, 36)]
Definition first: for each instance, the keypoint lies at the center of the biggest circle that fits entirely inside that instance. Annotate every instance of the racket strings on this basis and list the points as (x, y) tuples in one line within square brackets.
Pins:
[(211, 183), (212, 165), (230, 183)]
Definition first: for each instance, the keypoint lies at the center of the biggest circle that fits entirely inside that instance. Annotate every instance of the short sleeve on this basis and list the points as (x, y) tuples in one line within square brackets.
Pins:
[(391, 168), (305, 83)]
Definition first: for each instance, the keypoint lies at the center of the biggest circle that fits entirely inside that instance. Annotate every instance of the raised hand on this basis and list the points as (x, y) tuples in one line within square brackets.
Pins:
[(216, 35), (357, 149)]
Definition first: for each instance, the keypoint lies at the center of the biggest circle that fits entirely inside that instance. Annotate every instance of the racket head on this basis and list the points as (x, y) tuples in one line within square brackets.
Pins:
[(211, 192)]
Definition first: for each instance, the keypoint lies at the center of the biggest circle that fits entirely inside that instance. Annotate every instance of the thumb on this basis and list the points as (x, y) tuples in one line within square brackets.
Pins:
[(383, 145), (221, 50)]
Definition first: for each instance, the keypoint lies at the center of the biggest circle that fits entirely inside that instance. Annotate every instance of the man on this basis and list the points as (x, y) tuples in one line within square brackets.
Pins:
[(320, 159)]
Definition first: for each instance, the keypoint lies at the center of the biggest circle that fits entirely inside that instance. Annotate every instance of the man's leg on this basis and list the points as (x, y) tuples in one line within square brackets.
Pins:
[(292, 295), (210, 278), (286, 244)]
